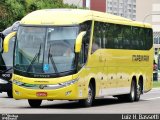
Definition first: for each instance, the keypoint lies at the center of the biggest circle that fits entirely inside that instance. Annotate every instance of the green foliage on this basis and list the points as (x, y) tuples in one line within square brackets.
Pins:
[(156, 84), (13, 10)]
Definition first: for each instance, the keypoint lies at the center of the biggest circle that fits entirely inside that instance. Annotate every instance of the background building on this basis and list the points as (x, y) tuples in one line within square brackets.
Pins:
[(124, 8), (150, 12), (78, 3)]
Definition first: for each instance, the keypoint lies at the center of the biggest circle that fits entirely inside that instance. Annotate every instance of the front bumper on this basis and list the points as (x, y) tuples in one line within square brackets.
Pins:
[(65, 93)]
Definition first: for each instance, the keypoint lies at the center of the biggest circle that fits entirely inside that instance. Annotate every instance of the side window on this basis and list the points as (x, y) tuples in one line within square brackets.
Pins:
[(83, 55), (105, 35), (149, 38), (135, 40), (141, 39), (127, 37), (114, 36), (110, 36), (138, 41), (118, 39), (97, 37)]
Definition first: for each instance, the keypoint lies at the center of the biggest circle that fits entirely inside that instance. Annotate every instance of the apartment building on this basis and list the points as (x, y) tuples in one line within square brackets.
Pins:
[(124, 8)]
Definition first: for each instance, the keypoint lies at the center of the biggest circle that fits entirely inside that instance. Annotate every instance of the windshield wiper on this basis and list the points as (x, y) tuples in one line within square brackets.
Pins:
[(34, 59), (52, 61), (2, 72)]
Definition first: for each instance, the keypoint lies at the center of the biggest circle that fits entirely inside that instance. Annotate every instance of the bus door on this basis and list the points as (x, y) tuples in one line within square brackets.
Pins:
[(110, 71), (97, 58), (110, 68), (96, 62)]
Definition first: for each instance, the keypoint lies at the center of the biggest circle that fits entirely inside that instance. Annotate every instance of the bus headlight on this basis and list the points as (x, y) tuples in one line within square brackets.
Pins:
[(17, 82), (3, 81), (68, 82)]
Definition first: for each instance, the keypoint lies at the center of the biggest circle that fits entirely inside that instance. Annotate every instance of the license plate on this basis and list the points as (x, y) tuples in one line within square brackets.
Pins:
[(41, 94)]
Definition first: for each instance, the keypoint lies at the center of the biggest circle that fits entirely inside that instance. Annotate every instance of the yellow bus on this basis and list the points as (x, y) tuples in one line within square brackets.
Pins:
[(82, 55)]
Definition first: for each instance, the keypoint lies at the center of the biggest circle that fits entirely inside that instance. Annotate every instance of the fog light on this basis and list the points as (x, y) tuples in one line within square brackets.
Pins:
[(68, 93), (17, 92)]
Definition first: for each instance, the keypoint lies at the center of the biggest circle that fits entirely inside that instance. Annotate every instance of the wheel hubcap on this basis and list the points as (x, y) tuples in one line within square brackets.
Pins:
[(138, 90), (89, 95), (133, 92)]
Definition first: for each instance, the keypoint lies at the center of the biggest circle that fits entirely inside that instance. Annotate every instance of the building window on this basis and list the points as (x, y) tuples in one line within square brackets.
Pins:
[(156, 7), (156, 51), (159, 39), (88, 4), (155, 18), (156, 40)]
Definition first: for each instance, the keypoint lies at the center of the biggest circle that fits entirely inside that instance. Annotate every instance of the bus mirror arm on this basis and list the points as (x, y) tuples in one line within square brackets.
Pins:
[(6, 41), (79, 41)]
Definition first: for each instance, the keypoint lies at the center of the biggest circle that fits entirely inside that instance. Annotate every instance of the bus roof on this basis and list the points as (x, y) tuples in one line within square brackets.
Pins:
[(73, 17)]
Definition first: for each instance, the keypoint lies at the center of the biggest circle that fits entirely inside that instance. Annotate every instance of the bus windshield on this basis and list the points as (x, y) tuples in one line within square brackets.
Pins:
[(45, 50)]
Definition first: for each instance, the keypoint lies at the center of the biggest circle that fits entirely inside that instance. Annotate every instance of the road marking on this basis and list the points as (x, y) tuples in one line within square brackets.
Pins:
[(153, 98)]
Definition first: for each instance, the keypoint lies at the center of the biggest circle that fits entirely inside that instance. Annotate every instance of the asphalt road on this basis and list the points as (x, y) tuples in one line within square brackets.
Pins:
[(149, 103)]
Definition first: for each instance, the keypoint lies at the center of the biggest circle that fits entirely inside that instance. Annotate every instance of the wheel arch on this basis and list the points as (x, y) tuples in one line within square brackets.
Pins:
[(141, 82), (134, 78), (93, 82)]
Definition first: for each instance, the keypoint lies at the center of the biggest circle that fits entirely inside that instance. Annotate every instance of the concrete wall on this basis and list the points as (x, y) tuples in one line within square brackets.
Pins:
[(98, 5), (74, 2)]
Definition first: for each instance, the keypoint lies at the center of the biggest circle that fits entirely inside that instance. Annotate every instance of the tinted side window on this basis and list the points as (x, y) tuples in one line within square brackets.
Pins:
[(83, 55), (149, 38), (135, 40), (110, 36), (97, 37), (118, 37), (127, 37), (142, 39), (115, 36)]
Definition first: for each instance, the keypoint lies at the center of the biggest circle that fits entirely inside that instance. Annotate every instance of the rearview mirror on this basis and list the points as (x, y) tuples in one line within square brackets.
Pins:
[(6, 41), (79, 41)]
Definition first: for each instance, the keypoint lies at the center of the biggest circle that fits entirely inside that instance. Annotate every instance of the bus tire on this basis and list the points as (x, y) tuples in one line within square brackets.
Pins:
[(122, 97), (10, 94), (88, 102), (138, 92), (132, 94), (35, 103)]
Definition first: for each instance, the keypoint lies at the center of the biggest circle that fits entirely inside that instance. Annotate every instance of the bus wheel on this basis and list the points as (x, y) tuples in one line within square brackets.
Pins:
[(122, 97), (138, 93), (88, 102), (132, 94), (35, 103), (10, 94)]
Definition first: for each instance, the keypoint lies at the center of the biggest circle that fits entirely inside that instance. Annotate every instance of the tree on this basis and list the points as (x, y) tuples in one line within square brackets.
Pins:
[(13, 10)]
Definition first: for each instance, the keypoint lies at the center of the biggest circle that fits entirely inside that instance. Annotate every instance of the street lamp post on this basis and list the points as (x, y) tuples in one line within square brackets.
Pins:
[(150, 15)]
